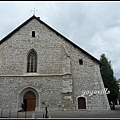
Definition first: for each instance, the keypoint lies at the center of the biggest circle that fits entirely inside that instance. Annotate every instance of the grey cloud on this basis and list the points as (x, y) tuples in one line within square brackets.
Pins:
[(94, 26)]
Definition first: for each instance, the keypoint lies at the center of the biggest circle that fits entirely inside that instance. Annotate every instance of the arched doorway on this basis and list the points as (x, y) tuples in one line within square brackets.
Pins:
[(29, 100), (81, 103)]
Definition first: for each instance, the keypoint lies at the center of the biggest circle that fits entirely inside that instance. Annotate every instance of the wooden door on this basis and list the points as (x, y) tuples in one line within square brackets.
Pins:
[(30, 101), (31, 104), (81, 103)]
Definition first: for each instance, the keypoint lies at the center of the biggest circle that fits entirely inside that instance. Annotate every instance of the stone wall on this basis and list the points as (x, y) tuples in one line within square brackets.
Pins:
[(59, 80)]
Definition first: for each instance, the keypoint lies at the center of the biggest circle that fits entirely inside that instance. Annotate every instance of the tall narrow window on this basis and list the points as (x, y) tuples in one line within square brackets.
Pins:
[(33, 33), (80, 62), (32, 61)]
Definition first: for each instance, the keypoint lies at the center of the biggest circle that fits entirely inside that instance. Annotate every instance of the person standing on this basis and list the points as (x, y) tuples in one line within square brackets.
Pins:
[(22, 107)]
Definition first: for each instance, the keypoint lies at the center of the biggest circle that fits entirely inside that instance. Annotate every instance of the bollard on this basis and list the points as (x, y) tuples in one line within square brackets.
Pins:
[(45, 112), (43, 115), (9, 113), (33, 115), (1, 112), (25, 114), (17, 114)]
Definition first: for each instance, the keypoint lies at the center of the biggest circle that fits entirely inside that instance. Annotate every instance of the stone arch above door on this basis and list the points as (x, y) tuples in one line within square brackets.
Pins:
[(30, 97)]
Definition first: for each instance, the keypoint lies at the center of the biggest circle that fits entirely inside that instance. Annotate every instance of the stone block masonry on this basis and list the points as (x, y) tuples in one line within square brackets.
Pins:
[(60, 77)]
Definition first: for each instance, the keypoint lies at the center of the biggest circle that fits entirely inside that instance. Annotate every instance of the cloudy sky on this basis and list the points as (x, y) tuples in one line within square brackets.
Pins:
[(93, 26)]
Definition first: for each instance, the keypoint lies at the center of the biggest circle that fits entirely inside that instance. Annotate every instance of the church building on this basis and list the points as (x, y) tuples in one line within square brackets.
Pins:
[(41, 68)]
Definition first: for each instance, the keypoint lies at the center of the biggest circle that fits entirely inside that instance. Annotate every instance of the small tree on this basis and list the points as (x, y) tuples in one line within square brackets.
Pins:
[(108, 79)]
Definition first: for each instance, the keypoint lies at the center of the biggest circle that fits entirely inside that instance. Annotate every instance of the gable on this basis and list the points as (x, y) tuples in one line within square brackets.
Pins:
[(37, 18)]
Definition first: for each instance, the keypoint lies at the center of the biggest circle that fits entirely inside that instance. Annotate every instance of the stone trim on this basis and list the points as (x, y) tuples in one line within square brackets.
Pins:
[(77, 102), (35, 75)]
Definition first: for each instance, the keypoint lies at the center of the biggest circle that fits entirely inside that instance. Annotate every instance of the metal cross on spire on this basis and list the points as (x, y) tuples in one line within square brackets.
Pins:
[(34, 11)]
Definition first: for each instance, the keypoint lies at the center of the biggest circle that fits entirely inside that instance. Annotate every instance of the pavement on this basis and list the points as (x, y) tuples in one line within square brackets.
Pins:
[(87, 114)]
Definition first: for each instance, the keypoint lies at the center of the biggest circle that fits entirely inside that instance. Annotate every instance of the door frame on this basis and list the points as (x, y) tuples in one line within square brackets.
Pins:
[(77, 102), (83, 102), (20, 96), (29, 97)]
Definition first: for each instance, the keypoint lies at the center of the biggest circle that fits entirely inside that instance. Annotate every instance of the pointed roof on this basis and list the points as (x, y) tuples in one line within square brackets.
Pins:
[(37, 18)]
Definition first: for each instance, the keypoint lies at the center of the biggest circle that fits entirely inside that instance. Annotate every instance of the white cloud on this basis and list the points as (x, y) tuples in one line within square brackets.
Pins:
[(94, 26)]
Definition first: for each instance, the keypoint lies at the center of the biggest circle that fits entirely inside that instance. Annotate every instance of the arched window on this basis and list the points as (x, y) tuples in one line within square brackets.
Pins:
[(32, 61)]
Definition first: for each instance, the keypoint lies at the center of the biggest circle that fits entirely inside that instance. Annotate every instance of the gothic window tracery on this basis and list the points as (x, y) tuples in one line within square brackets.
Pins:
[(32, 61)]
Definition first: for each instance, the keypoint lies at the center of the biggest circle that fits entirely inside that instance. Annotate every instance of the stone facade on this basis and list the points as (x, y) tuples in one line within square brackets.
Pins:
[(60, 78)]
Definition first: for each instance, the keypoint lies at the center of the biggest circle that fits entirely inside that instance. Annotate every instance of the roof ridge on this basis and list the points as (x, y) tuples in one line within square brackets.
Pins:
[(38, 18)]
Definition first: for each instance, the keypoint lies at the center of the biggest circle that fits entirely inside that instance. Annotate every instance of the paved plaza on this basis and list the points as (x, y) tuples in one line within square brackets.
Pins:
[(111, 114)]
